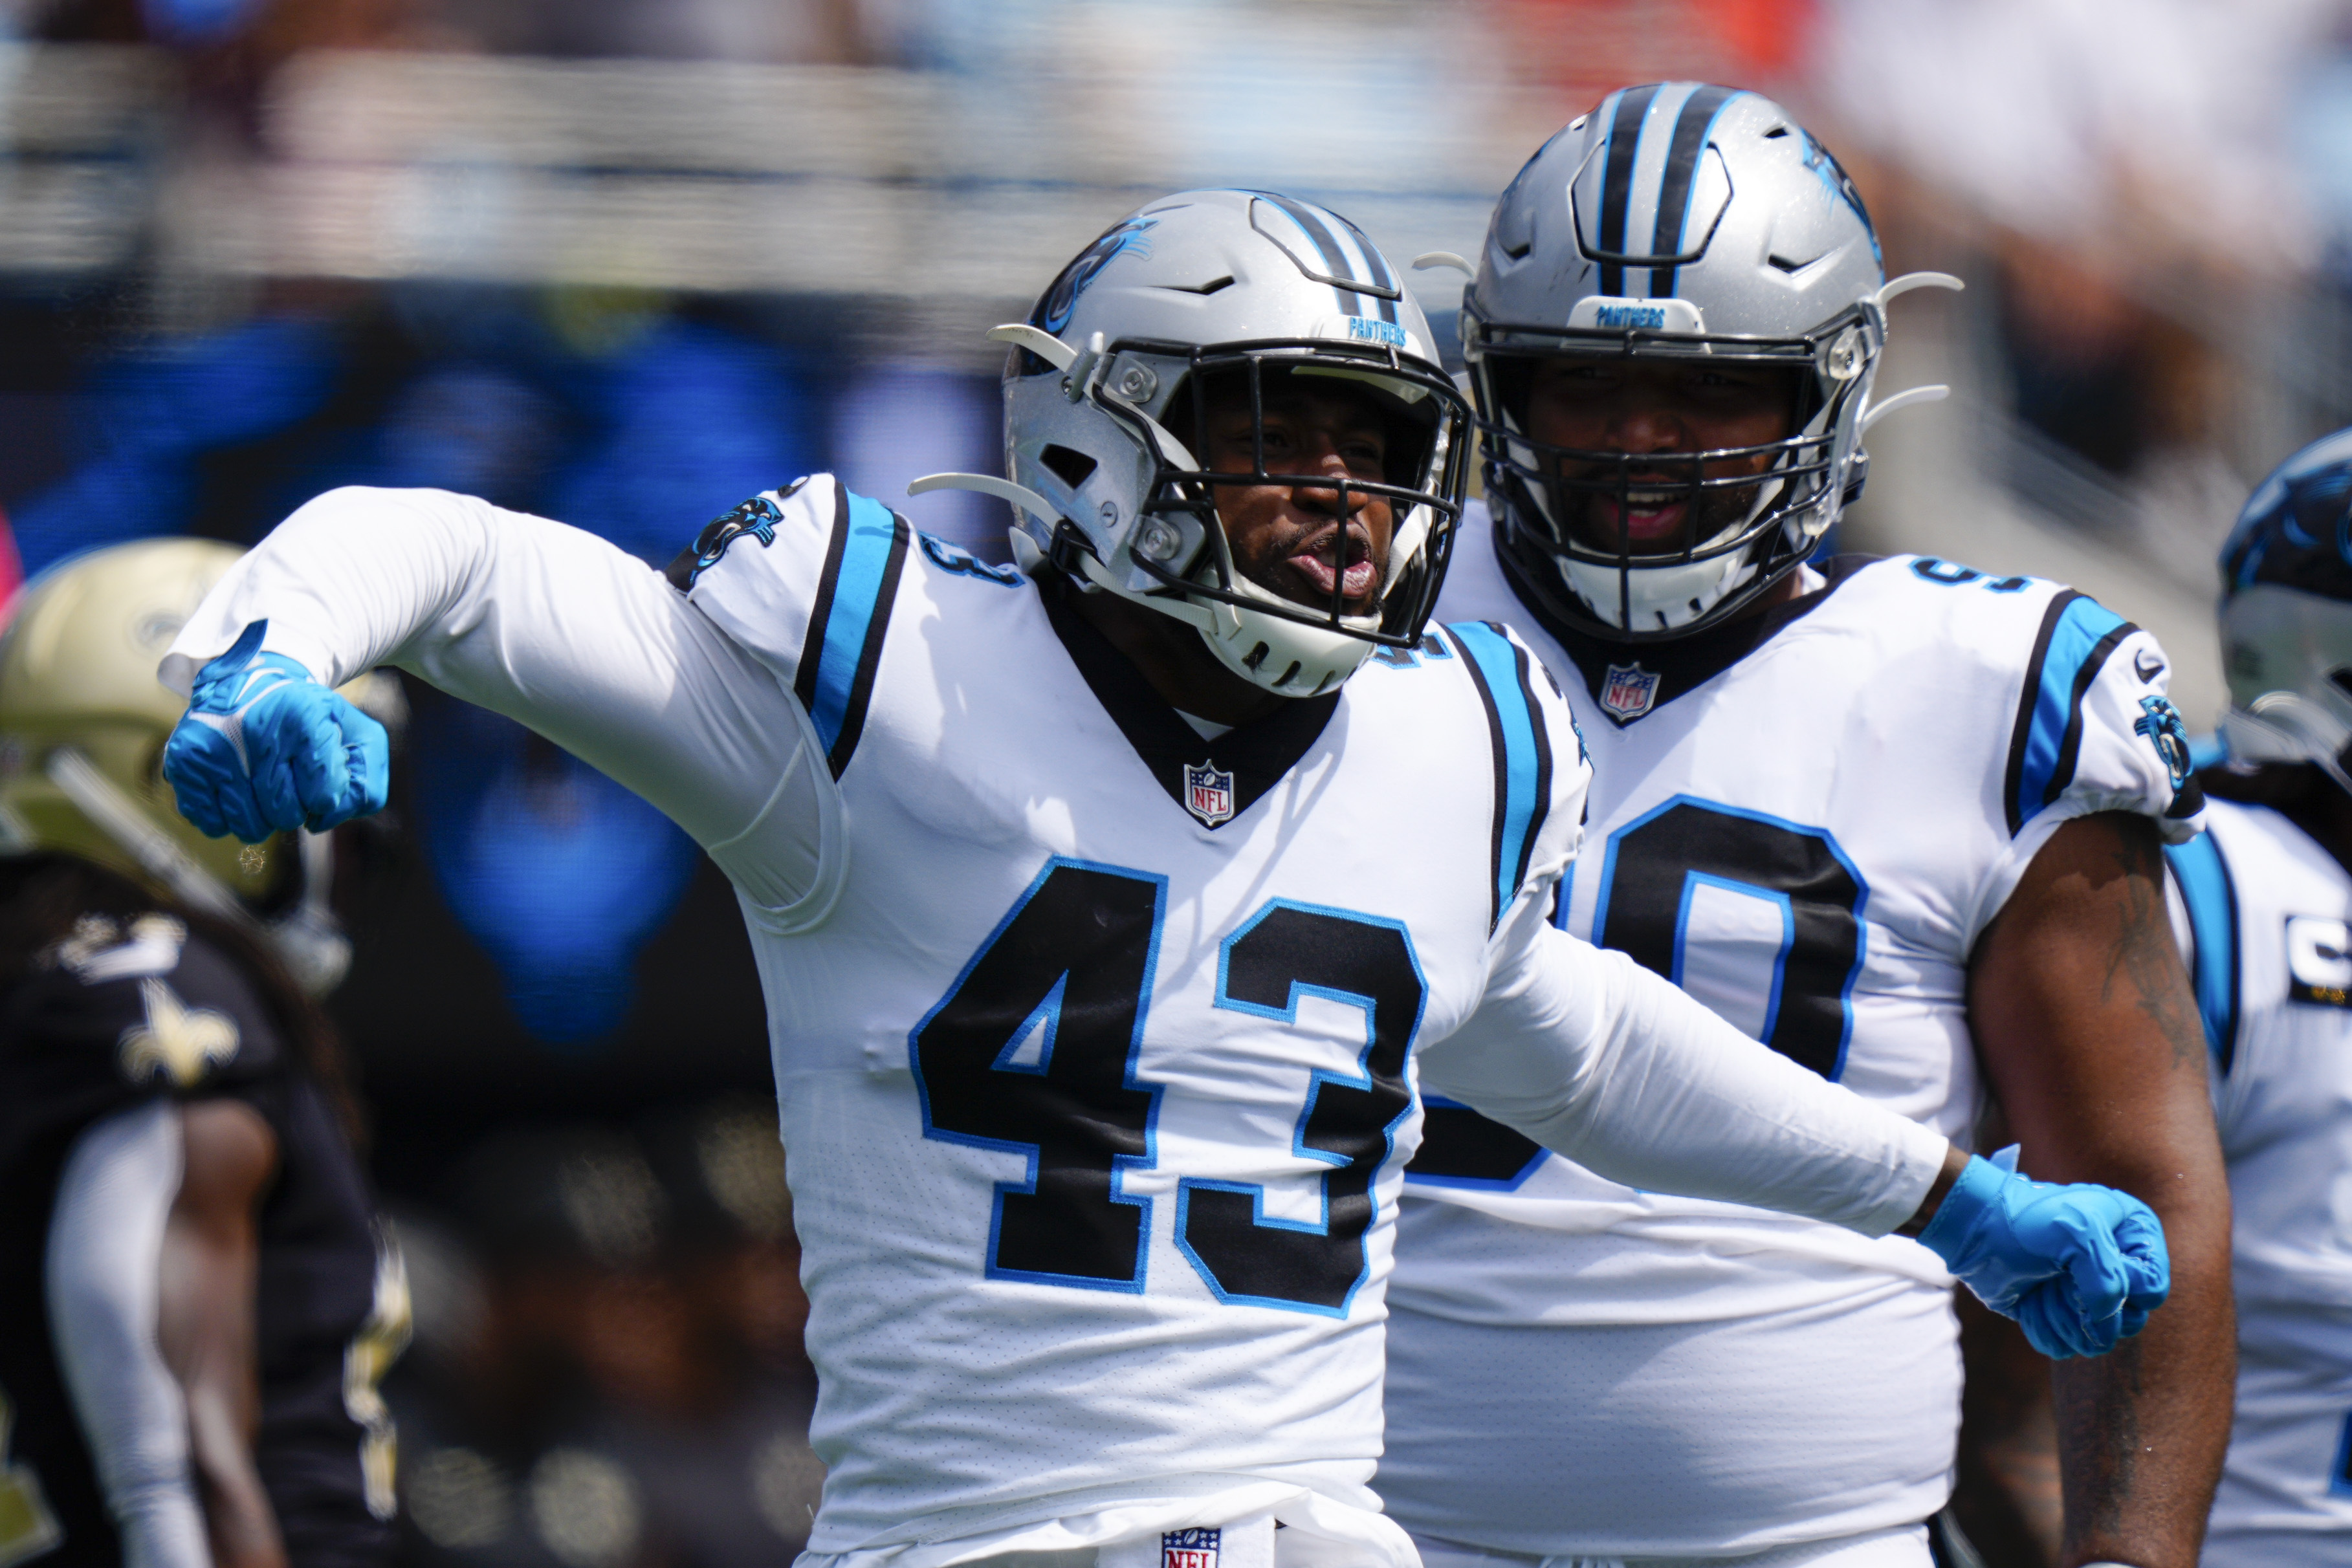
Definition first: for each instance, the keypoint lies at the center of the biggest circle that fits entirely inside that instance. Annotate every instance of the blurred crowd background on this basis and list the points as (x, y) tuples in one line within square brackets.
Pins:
[(625, 262)]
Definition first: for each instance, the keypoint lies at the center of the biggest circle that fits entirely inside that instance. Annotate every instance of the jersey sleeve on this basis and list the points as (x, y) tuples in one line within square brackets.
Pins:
[(1596, 1058), (1542, 772), (565, 633), (2094, 731)]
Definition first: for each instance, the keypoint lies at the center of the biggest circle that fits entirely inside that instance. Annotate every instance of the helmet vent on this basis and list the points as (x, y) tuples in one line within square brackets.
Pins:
[(1257, 655), (1212, 286), (1776, 133), (1788, 264), (2340, 678), (1070, 467)]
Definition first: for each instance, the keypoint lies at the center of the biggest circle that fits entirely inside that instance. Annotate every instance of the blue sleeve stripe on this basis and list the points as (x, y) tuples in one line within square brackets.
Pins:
[(2212, 900), (852, 612), (2077, 636), (1499, 668)]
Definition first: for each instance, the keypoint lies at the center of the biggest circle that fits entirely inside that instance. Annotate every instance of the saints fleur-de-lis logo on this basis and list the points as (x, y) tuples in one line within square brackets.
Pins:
[(183, 1041)]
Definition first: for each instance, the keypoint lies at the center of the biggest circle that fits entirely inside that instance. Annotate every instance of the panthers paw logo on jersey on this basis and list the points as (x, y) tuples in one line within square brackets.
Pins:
[(757, 517), (2162, 725), (178, 1040)]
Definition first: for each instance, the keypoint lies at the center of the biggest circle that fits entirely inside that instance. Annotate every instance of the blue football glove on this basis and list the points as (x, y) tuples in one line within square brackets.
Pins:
[(2079, 1267), (265, 748)]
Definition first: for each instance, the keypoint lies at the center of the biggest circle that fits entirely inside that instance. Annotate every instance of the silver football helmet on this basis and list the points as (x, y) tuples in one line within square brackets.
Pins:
[(2286, 614), (1240, 287), (1678, 221)]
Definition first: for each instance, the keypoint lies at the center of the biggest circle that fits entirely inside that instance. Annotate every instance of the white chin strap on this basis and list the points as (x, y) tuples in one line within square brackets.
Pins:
[(1658, 598), (2285, 726)]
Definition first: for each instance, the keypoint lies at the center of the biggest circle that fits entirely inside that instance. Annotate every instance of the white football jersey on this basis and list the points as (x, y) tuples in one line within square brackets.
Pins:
[(1099, 1077), (2271, 915), (1807, 831)]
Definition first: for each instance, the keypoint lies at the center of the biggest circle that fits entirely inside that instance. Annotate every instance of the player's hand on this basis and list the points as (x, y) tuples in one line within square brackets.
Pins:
[(2079, 1267), (263, 748)]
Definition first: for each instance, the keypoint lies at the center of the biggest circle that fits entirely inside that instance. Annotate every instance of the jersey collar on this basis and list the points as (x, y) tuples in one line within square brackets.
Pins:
[(1683, 663), (1245, 762)]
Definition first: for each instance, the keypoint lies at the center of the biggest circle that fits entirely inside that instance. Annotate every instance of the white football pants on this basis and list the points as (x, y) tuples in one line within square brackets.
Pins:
[(1905, 1547)]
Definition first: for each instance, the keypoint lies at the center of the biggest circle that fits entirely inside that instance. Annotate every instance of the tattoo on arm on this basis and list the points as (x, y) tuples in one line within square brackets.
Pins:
[(2144, 964)]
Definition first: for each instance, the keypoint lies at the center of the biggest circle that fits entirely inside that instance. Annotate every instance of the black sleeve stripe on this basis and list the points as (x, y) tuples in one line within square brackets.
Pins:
[(1542, 804), (1499, 670), (869, 656), (2070, 749), (820, 611), (863, 561), (2076, 635)]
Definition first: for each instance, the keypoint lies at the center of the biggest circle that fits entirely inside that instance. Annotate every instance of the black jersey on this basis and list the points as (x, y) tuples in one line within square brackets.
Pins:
[(119, 1013)]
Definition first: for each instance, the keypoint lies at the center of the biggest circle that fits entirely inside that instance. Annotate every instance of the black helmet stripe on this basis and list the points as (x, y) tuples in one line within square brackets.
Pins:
[(1691, 126), (1327, 244), (1379, 267), (1617, 182)]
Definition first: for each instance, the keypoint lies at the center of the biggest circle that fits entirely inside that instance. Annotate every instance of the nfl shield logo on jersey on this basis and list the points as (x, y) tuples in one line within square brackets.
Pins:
[(1190, 1547), (1629, 691), (1208, 793)]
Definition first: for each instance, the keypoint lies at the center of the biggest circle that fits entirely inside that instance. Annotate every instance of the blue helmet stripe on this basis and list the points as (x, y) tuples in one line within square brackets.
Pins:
[(2206, 887), (2077, 634)]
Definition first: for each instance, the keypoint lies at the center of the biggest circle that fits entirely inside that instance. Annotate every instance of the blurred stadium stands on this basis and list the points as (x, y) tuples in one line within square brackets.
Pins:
[(623, 261)]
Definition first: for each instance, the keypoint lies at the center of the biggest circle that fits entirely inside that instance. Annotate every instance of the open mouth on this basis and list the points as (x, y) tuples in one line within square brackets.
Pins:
[(1337, 557), (1642, 514)]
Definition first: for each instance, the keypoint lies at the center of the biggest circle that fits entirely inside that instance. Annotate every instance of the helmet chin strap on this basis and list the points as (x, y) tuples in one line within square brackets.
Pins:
[(308, 939)]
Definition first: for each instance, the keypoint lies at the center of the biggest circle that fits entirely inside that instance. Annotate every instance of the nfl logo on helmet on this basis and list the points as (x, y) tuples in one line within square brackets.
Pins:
[(1629, 691), (1208, 793)]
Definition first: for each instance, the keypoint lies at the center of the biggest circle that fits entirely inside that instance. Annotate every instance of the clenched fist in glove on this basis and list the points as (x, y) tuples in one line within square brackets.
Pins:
[(2079, 1267), (265, 748)]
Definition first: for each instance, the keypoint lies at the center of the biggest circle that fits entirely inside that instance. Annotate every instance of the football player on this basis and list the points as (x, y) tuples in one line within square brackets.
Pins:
[(195, 1307), (2268, 895), (1110, 909), (1898, 820)]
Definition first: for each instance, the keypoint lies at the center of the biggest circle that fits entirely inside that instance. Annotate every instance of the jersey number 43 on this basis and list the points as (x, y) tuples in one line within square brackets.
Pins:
[(1033, 1052)]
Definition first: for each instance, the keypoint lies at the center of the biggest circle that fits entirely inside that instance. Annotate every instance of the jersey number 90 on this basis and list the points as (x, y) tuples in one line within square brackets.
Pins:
[(1033, 1052), (1654, 869)]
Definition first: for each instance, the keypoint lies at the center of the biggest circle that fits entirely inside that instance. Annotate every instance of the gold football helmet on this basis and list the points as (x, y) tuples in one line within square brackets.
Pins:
[(82, 725)]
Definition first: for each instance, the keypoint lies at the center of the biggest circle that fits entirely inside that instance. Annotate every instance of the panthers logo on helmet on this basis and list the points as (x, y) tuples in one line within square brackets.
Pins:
[(1054, 308), (1825, 166), (2162, 725)]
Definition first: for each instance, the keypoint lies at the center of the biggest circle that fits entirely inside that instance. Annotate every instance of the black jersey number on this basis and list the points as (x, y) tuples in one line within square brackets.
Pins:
[(1655, 864), (1289, 951), (1650, 871), (1033, 1052)]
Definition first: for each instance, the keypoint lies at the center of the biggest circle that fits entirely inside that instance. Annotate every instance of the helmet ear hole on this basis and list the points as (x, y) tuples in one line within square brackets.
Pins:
[(1071, 467)]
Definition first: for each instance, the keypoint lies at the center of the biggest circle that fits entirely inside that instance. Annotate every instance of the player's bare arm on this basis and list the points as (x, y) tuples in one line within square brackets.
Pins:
[(205, 1320), (2091, 1042)]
